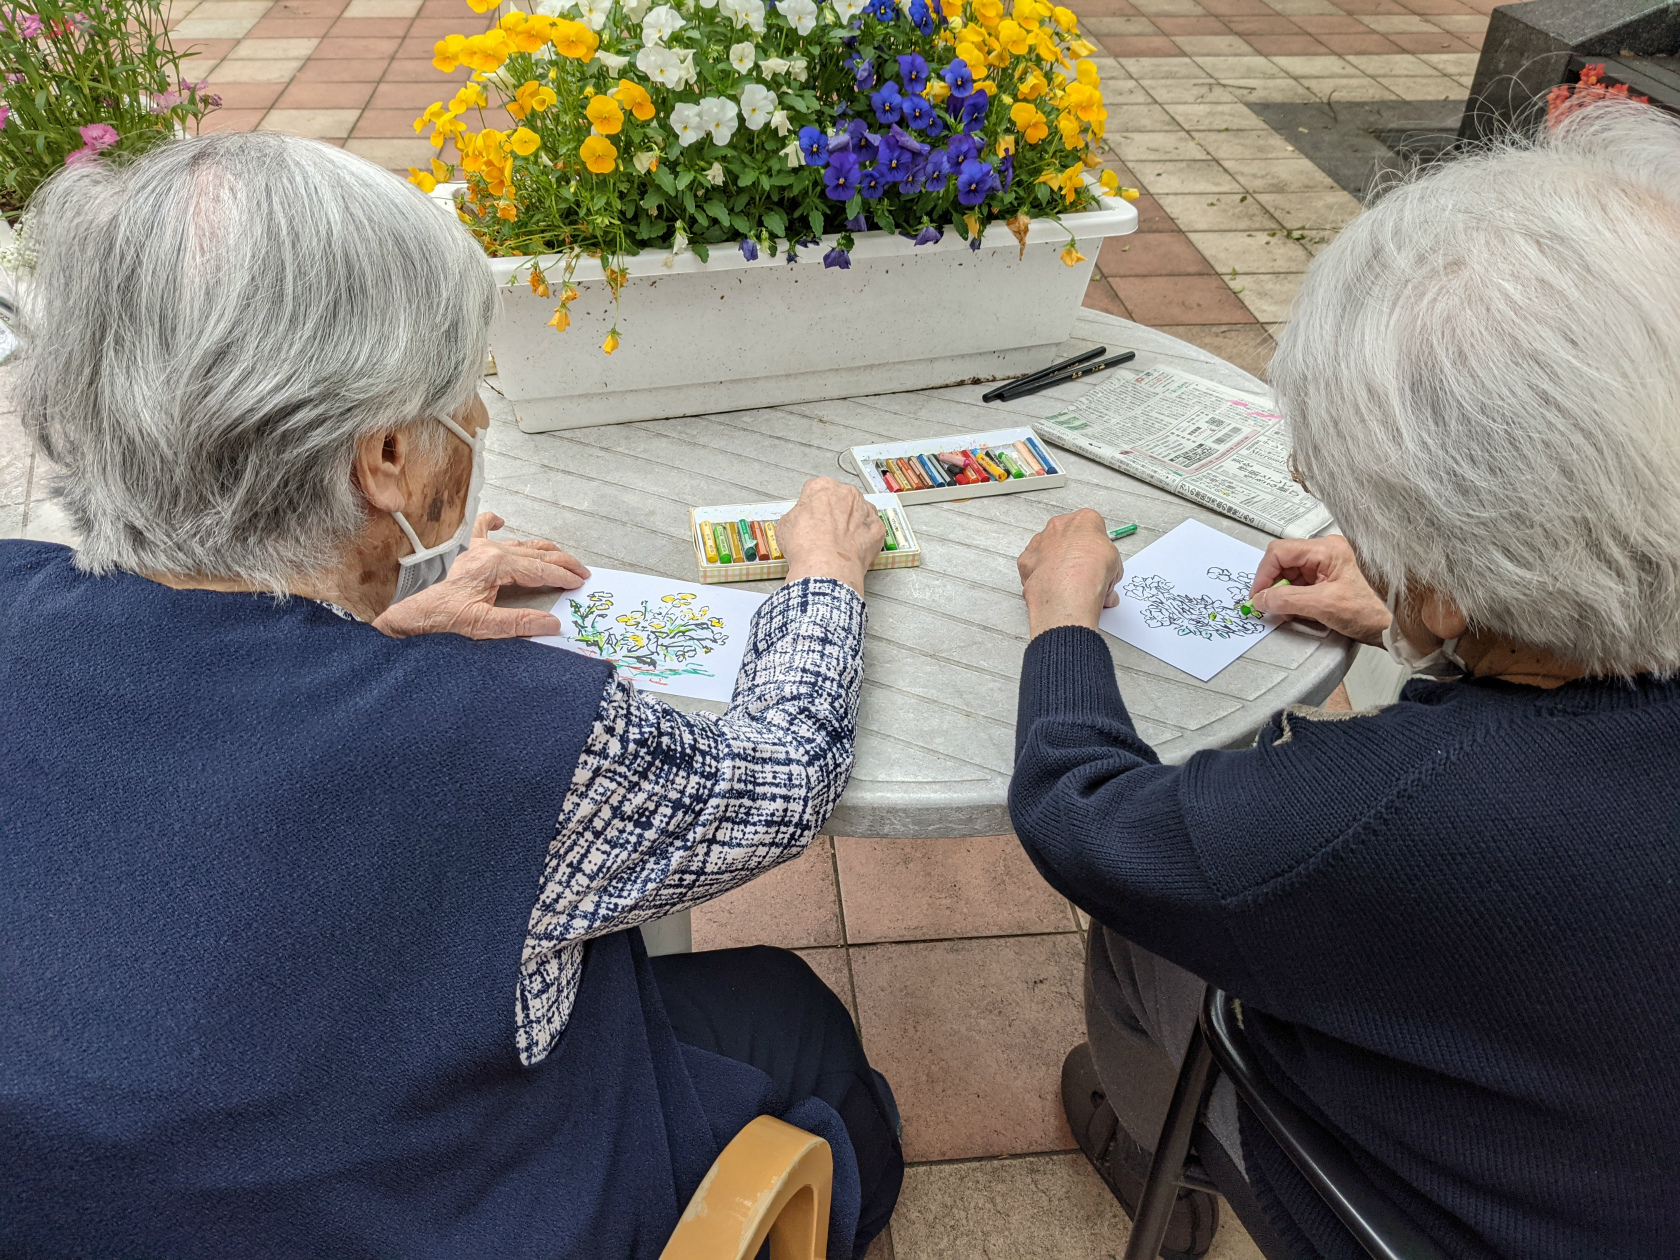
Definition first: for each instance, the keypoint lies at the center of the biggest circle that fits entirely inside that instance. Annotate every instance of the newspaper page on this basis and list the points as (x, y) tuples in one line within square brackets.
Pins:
[(1219, 447)]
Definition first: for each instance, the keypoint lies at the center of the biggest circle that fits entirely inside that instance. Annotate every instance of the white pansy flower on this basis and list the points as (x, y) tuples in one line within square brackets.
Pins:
[(679, 245), (719, 116), (757, 104), (612, 61), (715, 175), (645, 160), (594, 13), (687, 123), (742, 55), (780, 122), (848, 9), (744, 12), (552, 8), (634, 9), (659, 24), (794, 154), (798, 67), (774, 65), (800, 14), (661, 65)]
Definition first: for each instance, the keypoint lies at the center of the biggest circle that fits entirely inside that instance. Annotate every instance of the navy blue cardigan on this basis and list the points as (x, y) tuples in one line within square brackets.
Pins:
[(1455, 926), (265, 878)]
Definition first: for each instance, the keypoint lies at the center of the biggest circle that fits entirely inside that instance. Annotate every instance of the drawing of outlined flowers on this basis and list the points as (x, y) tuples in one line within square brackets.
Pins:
[(653, 641)]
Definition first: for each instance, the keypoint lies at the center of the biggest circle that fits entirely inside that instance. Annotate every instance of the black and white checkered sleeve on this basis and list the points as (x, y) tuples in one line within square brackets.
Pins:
[(669, 809)]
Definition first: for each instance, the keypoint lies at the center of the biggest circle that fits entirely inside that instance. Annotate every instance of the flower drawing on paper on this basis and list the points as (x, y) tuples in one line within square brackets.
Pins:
[(653, 641), (1167, 608)]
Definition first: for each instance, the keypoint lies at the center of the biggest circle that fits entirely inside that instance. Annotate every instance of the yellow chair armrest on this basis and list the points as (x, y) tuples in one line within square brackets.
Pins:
[(772, 1181)]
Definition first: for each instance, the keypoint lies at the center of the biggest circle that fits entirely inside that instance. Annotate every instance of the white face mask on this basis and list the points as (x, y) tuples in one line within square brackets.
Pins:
[(427, 565), (1443, 662)]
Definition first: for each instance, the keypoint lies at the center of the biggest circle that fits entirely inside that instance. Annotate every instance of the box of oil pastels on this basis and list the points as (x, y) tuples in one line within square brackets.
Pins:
[(737, 542), (963, 466)]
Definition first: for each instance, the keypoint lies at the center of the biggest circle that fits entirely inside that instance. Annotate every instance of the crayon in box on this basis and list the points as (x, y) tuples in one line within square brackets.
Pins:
[(960, 466), (730, 540)]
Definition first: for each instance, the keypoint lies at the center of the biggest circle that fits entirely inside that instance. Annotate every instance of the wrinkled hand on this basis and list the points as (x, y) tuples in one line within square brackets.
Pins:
[(1068, 572), (1325, 585), (465, 601), (833, 532)]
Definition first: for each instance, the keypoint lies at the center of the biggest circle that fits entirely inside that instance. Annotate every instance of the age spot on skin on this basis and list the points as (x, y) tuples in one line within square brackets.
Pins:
[(434, 513)]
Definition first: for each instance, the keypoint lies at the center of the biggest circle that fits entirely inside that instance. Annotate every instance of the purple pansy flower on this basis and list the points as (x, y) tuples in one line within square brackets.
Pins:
[(840, 179), (974, 182), (838, 257), (958, 77), (914, 71), (917, 113), (871, 183), (814, 145), (928, 236), (904, 140), (962, 148), (887, 103), (749, 249), (921, 17), (937, 171)]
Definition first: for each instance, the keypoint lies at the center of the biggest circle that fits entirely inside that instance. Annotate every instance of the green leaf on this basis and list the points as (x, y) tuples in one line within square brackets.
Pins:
[(776, 221), (716, 208), (684, 178), (854, 207), (666, 180), (743, 225), (816, 221), (700, 251)]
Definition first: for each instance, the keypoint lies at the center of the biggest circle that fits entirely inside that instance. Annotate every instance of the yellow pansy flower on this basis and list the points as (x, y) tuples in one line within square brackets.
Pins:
[(1071, 255), (524, 142), (1065, 19), (1069, 127), (609, 345), (1031, 120), (421, 179), (507, 210), (599, 156), (539, 283), (605, 115), (1086, 72), (634, 97), (575, 40), (1033, 86), (988, 12), (1110, 182), (471, 96), (1013, 37), (937, 91), (446, 53), (951, 8)]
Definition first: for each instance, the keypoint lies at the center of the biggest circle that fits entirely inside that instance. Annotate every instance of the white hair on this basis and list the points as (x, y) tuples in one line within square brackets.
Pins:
[(208, 332), (1483, 377)]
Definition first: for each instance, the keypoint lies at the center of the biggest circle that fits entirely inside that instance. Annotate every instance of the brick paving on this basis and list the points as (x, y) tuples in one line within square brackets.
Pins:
[(960, 965)]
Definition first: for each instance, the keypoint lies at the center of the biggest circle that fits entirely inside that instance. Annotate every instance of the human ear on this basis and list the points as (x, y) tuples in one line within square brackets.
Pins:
[(380, 468)]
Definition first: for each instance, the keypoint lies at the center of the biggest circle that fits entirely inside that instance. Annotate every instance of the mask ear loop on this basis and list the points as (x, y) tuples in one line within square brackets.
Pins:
[(401, 520)]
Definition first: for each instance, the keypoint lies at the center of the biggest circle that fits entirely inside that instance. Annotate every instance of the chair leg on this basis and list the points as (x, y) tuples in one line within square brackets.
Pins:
[(1160, 1192)]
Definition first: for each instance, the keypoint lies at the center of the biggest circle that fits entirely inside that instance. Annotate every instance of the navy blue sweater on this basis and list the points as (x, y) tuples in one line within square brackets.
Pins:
[(1455, 926)]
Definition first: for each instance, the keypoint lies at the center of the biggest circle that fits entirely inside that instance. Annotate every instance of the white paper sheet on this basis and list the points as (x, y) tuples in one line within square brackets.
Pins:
[(666, 636), (1179, 597)]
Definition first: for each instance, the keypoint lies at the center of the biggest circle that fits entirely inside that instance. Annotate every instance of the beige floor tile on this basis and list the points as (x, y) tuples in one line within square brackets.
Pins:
[(320, 123), (972, 1035), (1214, 117), (394, 154), (1258, 175), (1242, 253), (1155, 146), (1244, 144), (1397, 24), (1125, 91), (1134, 118), (1243, 68), (941, 889), (1185, 177), (1359, 89), (1227, 212), (1274, 90), (272, 49), (1144, 69), (1132, 25), (792, 906), (1191, 92), (381, 8), (1267, 296), (178, 12), (1304, 8), (1376, 64), (253, 71), (1306, 211), (1433, 87), (834, 971), (1314, 67), (1199, 46), (1460, 23), (212, 28), (231, 9), (1106, 66), (1249, 346), (1046, 1207), (1168, 8)]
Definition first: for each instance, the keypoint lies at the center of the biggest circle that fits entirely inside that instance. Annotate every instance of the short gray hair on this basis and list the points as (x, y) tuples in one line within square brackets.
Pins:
[(210, 330), (1483, 376)]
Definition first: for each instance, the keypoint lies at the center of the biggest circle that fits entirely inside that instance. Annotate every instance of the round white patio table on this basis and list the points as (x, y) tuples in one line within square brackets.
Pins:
[(936, 733)]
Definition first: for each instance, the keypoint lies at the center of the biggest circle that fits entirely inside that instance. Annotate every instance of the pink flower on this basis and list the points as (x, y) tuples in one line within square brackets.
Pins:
[(5, 113), (81, 157), (99, 136), (29, 26), (163, 102)]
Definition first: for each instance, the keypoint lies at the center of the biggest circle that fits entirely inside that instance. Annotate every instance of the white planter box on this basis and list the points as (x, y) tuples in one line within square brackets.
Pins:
[(730, 334)]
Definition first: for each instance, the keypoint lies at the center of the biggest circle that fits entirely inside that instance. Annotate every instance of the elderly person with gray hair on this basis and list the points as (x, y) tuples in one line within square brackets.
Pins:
[(318, 882), (1454, 921)]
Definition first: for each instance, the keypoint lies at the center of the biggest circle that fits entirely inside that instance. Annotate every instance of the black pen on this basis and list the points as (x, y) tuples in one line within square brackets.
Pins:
[(1066, 376), (992, 395)]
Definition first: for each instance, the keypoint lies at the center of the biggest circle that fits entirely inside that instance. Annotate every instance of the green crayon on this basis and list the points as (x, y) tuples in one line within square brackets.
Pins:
[(1247, 609)]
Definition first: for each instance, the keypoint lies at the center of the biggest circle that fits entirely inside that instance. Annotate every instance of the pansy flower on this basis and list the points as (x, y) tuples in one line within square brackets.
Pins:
[(904, 140), (929, 235), (893, 163), (814, 145), (913, 70), (917, 112), (961, 148), (958, 77), (970, 110), (888, 104), (840, 179), (872, 182), (838, 257), (937, 172), (921, 17), (975, 181)]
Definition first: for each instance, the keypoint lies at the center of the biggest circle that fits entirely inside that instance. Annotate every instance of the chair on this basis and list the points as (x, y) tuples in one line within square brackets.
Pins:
[(773, 1182), (1219, 1043)]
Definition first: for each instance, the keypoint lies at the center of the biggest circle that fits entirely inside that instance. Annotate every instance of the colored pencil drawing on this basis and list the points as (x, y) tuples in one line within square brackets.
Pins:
[(1204, 616), (650, 642)]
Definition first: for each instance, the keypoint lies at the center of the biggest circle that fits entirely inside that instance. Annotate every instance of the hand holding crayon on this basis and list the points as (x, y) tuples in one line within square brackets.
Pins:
[(833, 531)]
